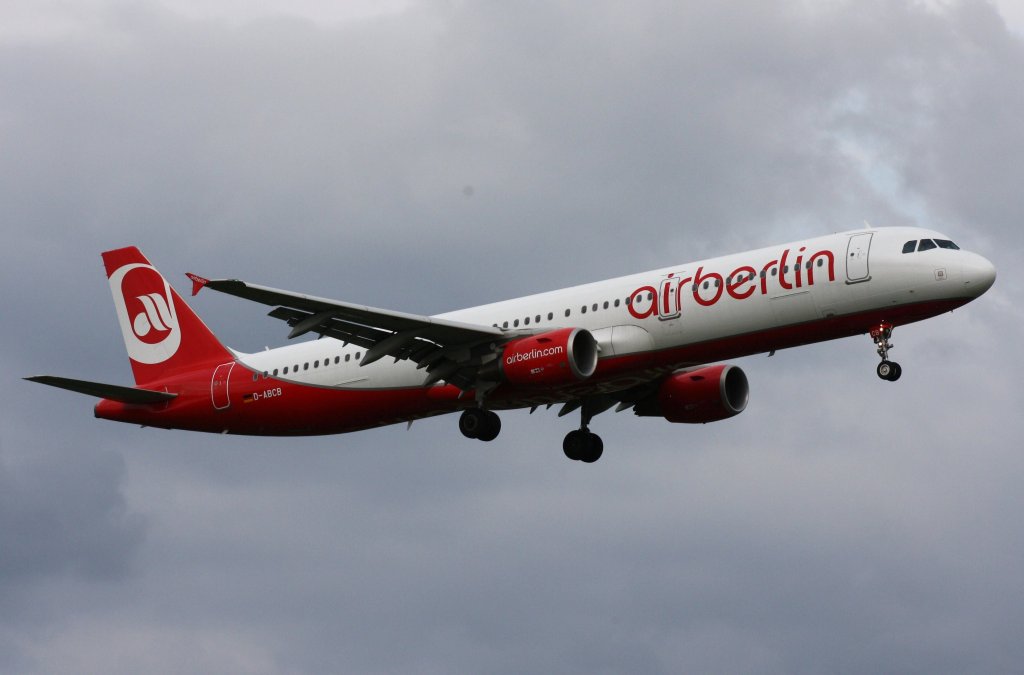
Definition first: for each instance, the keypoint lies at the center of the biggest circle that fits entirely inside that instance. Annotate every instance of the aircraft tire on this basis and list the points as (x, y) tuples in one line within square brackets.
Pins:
[(472, 422), (583, 446), (574, 444), (595, 448), (491, 428)]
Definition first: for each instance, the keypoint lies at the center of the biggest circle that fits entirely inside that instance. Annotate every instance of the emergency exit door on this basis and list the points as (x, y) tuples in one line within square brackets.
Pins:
[(219, 385)]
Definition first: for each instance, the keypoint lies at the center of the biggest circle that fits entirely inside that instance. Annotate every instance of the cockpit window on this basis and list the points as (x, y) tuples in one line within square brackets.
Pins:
[(946, 243), (910, 246), (926, 245)]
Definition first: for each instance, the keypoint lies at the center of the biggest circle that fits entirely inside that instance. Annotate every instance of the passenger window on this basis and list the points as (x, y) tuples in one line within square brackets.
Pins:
[(567, 312), (515, 323), (316, 364), (910, 246), (347, 357), (606, 304), (926, 245), (583, 309), (504, 324), (551, 315), (946, 243), (255, 377), (650, 297), (536, 319), (594, 307), (616, 302), (275, 372), (286, 370), (337, 360), (357, 354), (305, 366), (526, 321)]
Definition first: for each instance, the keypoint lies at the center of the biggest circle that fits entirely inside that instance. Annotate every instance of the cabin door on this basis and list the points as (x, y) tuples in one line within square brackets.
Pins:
[(857, 250)]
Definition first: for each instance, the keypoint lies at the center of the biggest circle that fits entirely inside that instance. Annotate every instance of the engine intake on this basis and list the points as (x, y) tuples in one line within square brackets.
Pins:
[(562, 356)]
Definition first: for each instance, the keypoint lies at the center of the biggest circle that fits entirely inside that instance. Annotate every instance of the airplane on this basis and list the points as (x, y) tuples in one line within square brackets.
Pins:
[(652, 342)]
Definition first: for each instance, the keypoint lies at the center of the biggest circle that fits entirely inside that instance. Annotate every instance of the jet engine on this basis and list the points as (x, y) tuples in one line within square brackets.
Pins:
[(562, 356), (699, 396)]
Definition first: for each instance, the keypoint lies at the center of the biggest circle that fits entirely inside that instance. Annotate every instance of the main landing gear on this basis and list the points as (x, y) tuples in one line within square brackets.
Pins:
[(480, 424), (887, 370), (582, 444)]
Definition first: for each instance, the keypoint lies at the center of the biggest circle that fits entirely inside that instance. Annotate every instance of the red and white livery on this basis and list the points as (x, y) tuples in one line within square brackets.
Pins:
[(642, 342)]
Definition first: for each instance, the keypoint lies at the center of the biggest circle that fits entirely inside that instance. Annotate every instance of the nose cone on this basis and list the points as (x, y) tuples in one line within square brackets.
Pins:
[(978, 274)]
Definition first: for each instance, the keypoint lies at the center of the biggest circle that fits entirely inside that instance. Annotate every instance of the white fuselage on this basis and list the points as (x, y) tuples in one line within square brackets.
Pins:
[(744, 294)]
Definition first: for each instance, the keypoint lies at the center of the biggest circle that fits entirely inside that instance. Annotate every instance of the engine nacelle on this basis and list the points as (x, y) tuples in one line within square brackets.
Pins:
[(704, 395), (562, 356)]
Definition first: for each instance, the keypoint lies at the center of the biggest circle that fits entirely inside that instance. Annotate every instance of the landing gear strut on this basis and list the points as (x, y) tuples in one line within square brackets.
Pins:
[(887, 370), (582, 444), (480, 424)]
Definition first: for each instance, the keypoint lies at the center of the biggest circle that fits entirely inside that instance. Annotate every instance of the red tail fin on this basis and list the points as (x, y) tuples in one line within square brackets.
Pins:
[(162, 333)]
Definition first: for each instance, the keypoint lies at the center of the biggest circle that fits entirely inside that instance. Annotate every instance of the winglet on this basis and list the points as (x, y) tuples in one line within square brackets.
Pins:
[(197, 282)]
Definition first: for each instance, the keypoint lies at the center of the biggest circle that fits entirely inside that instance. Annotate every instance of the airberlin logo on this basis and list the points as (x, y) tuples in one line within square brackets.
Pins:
[(519, 357), (145, 310), (154, 321), (787, 272)]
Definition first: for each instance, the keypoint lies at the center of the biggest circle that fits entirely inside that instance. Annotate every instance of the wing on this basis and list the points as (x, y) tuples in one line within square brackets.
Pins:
[(449, 350)]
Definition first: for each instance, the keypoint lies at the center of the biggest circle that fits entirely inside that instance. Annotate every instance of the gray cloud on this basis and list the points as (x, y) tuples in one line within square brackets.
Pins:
[(839, 525)]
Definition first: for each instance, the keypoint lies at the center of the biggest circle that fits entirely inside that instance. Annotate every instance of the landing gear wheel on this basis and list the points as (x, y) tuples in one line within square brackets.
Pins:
[(480, 424), (491, 428), (595, 448), (583, 446), (889, 370), (574, 444)]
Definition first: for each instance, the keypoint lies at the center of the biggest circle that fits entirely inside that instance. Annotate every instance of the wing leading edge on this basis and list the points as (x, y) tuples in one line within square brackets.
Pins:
[(449, 350)]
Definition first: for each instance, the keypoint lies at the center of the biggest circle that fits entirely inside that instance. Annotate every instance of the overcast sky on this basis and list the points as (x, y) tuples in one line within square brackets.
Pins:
[(426, 156)]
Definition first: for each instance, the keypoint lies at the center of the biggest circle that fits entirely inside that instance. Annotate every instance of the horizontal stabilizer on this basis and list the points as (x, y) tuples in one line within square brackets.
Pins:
[(114, 392)]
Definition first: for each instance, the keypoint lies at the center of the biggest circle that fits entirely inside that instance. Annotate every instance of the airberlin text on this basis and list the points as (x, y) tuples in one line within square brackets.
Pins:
[(533, 354), (665, 299)]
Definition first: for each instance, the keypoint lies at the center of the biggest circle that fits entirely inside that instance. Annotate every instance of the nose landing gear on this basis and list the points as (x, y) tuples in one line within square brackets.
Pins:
[(887, 370)]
